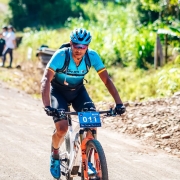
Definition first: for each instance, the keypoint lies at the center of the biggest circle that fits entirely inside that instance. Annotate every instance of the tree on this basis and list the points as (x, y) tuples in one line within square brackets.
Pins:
[(151, 10), (31, 13)]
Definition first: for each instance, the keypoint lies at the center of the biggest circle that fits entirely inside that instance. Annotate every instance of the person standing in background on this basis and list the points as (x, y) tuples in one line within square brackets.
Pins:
[(10, 39), (2, 44), (5, 31)]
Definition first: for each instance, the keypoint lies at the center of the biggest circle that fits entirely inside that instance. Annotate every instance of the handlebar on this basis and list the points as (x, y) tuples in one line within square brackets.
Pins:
[(108, 112), (59, 113)]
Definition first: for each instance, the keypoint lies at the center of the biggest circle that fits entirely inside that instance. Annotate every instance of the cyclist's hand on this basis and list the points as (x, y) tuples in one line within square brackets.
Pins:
[(120, 109), (51, 111)]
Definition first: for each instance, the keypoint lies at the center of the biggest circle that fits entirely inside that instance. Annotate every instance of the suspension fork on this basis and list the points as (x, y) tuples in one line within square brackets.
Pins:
[(91, 134), (96, 156)]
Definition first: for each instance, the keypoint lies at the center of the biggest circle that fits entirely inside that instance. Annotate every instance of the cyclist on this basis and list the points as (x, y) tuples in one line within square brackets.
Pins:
[(60, 88)]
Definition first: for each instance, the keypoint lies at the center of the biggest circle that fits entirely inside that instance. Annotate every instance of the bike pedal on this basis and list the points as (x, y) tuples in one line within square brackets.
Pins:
[(63, 173), (75, 170), (65, 159)]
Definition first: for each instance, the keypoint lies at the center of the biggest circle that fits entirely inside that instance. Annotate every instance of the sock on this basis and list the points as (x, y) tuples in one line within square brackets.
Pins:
[(55, 153)]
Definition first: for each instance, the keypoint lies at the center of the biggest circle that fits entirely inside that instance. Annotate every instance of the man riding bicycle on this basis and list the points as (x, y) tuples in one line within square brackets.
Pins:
[(59, 88)]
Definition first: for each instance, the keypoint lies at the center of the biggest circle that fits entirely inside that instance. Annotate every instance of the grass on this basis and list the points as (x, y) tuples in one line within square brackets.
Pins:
[(133, 85), (138, 84)]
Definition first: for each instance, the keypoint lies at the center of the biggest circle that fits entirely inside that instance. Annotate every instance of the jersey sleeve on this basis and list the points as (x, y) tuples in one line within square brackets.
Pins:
[(57, 60), (96, 61)]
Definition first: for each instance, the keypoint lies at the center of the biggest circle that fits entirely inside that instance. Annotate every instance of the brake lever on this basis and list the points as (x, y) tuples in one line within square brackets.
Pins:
[(111, 112)]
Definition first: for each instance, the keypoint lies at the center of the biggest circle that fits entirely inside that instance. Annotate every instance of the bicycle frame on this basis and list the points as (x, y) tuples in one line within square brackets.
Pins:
[(73, 147), (85, 135)]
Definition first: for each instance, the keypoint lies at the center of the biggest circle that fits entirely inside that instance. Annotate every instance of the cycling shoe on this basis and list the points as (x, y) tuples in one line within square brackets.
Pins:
[(55, 168), (91, 169)]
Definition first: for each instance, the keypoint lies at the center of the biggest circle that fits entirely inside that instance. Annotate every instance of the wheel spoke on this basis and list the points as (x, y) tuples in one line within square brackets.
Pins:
[(96, 156)]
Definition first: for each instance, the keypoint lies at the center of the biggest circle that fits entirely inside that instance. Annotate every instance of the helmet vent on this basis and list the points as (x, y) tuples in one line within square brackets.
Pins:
[(81, 36), (88, 38)]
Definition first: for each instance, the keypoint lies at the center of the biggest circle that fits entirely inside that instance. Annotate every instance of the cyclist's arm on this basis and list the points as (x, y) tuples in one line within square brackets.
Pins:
[(110, 86), (45, 86), (100, 68), (57, 60)]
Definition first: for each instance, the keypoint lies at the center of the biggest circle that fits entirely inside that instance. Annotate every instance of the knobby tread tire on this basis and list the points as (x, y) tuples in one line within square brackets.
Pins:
[(95, 144), (67, 145), (67, 142)]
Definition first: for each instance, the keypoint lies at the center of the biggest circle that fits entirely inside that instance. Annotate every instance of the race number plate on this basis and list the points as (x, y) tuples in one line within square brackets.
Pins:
[(89, 119)]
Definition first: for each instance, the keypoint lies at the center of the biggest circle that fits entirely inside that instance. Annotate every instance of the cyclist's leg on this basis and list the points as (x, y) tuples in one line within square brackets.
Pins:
[(83, 102), (60, 97), (61, 127), (61, 124)]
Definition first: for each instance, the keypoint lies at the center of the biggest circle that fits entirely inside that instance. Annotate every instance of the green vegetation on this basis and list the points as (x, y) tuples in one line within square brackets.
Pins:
[(36, 14), (115, 36), (124, 35), (132, 84), (138, 84)]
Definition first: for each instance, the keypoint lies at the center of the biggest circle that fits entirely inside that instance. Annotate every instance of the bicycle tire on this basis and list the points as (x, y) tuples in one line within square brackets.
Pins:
[(94, 145), (67, 147), (67, 142)]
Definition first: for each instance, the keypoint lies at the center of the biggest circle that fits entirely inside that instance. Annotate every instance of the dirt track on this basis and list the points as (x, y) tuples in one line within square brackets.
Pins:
[(25, 136)]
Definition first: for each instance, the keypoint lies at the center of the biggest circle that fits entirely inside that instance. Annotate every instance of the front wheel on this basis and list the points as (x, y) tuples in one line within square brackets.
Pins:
[(96, 160)]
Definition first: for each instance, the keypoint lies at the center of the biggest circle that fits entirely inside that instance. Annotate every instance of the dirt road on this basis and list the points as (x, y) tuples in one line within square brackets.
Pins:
[(25, 136)]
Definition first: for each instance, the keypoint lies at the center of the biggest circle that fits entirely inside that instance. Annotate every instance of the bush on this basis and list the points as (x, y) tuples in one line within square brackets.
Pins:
[(28, 13)]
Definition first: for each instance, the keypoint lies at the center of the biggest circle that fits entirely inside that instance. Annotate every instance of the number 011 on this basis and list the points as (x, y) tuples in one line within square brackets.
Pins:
[(89, 119)]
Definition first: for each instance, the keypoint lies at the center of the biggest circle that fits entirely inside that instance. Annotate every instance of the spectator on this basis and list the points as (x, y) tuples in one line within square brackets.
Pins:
[(10, 45), (5, 31), (2, 44)]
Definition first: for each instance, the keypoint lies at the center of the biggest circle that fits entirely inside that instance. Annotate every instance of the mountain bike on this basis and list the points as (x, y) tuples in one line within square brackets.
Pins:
[(81, 153)]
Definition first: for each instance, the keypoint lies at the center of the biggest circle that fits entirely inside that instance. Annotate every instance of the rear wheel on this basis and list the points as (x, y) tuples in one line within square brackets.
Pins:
[(96, 157)]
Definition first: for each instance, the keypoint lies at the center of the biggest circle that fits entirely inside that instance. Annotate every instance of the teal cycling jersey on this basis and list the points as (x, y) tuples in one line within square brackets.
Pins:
[(73, 75)]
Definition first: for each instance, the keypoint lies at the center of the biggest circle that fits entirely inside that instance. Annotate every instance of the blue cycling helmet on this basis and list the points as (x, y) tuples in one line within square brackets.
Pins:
[(81, 36)]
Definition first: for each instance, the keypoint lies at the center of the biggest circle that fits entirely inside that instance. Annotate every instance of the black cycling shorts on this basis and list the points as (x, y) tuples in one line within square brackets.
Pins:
[(79, 98)]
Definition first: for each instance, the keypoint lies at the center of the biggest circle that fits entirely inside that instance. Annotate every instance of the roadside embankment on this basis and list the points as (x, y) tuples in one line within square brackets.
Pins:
[(155, 122)]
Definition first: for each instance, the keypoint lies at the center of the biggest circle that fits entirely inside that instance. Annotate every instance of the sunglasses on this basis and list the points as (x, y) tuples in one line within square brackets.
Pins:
[(79, 46)]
